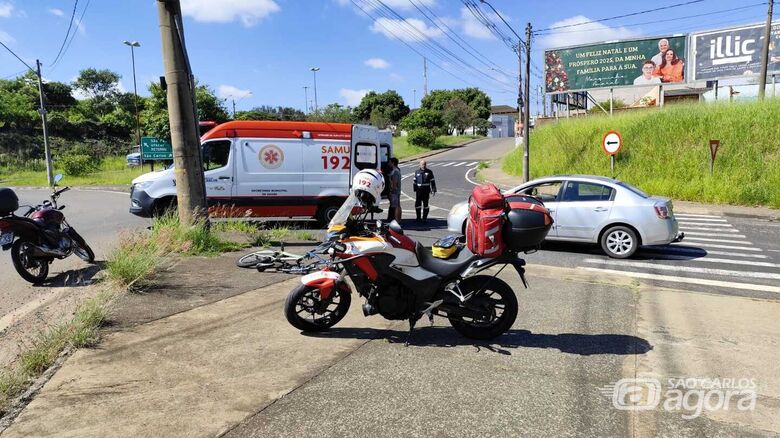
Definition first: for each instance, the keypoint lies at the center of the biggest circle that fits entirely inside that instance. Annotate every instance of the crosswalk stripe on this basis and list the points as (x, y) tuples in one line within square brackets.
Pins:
[(687, 238), (709, 259), (701, 252), (696, 233), (704, 224), (701, 281), (700, 219), (448, 164), (708, 271), (459, 164), (697, 215), (472, 163), (713, 245), (720, 230)]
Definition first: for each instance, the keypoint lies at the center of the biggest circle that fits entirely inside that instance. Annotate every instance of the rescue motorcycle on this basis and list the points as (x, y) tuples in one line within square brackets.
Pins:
[(399, 278), (40, 235)]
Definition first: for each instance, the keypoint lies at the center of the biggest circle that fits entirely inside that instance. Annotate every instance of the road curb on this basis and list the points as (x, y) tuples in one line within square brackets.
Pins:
[(439, 151)]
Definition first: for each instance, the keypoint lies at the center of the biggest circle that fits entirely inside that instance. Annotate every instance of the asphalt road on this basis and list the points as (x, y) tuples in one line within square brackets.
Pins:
[(721, 254), (99, 216)]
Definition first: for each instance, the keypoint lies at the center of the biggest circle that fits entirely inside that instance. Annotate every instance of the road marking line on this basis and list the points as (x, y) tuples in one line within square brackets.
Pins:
[(701, 281), (741, 248), (694, 233), (697, 215), (473, 163), (701, 252), (708, 271), (717, 260), (699, 219), (469, 179), (448, 164), (704, 224), (459, 164), (720, 230), (717, 240)]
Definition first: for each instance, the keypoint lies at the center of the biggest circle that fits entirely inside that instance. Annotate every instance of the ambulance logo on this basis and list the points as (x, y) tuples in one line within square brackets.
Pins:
[(271, 156)]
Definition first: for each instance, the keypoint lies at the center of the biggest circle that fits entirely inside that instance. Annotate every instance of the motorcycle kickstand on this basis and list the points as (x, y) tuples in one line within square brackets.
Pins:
[(412, 321)]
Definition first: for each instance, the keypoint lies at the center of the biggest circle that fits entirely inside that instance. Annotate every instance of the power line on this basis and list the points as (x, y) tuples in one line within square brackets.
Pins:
[(488, 23), (67, 34), (676, 5), (73, 36), (17, 56), (665, 19)]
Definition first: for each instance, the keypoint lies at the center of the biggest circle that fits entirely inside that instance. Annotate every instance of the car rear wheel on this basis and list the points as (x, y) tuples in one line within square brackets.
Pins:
[(325, 213), (619, 242)]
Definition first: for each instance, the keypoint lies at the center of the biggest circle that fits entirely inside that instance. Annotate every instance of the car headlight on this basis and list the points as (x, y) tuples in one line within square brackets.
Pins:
[(456, 208), (142, 185)]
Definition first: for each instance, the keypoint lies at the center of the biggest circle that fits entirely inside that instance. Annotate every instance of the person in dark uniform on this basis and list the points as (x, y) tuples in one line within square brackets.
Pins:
[(424, 187)]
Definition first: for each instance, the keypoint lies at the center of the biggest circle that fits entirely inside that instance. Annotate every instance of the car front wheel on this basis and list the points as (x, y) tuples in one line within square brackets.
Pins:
[(619, 242)]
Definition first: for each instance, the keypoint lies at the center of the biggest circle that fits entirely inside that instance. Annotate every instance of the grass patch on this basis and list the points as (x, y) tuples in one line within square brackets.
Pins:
[(81, 331), (402, 149), (111, 171), (666, 151)]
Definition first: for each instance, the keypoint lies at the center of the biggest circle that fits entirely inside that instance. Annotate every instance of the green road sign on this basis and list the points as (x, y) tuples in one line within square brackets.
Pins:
[(153, 148)]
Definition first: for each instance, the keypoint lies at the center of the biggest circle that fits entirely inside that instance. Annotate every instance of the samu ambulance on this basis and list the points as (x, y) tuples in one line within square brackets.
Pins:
[(273, 169)]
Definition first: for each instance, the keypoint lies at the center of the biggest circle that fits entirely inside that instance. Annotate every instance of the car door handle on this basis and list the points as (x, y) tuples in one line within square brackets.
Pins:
[(223, 178), (600, 209)]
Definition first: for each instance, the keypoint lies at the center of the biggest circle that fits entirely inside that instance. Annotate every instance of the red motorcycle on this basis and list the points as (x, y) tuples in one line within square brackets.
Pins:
[(40, 235)]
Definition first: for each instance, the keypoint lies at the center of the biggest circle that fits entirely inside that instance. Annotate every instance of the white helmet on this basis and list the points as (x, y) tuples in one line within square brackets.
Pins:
[(367, 185)]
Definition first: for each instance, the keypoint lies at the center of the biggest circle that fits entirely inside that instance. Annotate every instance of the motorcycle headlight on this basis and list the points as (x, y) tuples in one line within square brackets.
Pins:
[(142, 185)]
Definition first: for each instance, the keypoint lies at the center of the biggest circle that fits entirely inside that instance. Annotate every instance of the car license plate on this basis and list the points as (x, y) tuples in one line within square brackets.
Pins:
[(6, 239)]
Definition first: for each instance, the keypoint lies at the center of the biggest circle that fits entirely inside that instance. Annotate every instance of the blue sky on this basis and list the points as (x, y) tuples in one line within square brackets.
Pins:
[(268, 46)]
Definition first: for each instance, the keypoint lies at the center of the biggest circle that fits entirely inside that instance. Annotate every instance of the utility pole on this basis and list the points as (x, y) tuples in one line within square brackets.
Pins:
[(765, 53), (188, 167), (132, 46), (233, 99), (306, 99), (527, 110), (425, 76), (315, 70), (414, 98), (42, 111), (544, 100)]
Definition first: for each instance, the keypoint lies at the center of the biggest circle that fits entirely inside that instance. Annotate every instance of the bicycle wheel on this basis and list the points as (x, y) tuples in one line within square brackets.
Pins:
[(254, 259)]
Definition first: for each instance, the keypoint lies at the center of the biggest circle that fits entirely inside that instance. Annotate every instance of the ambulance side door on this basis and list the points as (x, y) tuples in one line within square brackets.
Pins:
[(364, 150)]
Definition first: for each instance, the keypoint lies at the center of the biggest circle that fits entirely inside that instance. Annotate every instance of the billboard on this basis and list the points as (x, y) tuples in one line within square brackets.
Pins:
[(733, 52), (645, 62)]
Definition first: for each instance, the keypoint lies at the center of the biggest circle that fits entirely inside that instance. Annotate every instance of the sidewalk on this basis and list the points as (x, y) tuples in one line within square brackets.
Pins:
[(497, 176)]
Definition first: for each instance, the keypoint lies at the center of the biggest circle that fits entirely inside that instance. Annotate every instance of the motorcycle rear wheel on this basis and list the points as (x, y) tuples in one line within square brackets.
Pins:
[(497, 298), (33, 270), (305, 300)]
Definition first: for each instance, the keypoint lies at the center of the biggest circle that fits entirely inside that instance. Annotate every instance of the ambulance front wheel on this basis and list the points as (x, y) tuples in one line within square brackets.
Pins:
[(325, 212)]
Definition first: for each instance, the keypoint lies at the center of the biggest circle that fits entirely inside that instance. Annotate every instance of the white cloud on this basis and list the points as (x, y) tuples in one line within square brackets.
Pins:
[(249, 12), (352, 97), (6, 9), (231, 92), (57, 12), (587, 33), (403, 5), (6, 38), (377, 63), (474, 28), (396, 77), (402, 29)]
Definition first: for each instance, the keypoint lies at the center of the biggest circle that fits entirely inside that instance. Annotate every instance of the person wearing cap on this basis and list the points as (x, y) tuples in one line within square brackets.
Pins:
[(424, 186)]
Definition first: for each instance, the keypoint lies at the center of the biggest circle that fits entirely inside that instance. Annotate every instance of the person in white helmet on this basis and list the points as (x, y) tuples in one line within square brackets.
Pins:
[(366, 191)]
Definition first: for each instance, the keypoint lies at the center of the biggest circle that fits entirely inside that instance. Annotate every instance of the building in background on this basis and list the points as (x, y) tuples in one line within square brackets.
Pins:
[(502, 121)]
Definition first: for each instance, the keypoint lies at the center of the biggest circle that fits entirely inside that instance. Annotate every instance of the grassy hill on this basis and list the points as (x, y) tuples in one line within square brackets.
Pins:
[(666, 151)]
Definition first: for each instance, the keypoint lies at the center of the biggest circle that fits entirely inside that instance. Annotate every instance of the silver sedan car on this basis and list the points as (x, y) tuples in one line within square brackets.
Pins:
[(595, 209)]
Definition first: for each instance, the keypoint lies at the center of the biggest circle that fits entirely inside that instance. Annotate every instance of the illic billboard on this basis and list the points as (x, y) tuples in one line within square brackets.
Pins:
[(643, 62), (733, 52)]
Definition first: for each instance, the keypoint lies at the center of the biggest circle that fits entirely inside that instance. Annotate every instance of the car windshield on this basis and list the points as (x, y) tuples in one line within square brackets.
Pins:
[(633, 189)]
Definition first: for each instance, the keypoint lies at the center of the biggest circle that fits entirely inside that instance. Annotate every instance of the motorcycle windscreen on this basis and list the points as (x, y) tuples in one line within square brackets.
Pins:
[(341, 216)]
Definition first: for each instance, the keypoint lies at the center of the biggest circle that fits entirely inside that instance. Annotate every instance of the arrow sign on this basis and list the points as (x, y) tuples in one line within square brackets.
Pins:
[(611, 143)]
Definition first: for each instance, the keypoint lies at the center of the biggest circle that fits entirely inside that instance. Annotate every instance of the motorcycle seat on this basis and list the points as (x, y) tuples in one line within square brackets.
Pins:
[(444, 268)]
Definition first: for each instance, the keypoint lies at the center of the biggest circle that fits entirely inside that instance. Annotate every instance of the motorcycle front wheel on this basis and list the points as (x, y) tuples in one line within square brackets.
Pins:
[(81, 249), (31, 269), (495, 299), (305, 310)]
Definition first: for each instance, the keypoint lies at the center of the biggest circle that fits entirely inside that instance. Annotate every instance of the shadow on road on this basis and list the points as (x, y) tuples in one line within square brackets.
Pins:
[(74, 277), (572, 343)]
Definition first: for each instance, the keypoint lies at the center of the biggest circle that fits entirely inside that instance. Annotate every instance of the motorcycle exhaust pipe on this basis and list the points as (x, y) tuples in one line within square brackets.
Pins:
[(456, 310), (39, 252)]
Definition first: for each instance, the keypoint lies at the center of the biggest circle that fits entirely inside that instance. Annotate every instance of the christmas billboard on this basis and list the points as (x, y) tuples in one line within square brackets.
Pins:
[(733, 52), (644, 62)]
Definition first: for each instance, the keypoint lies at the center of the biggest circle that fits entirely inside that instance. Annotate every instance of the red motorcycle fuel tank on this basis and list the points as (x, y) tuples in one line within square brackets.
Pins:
[(48, 216)]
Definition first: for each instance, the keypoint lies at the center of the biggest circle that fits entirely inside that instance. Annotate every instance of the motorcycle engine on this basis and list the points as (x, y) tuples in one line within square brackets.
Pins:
[(395, 301)]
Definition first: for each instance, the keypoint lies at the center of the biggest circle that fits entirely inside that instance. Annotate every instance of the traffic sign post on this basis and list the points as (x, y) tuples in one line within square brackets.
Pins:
[(714, 145), (611, 144)]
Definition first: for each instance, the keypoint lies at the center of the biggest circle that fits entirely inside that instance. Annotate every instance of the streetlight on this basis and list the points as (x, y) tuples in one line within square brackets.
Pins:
[(315, 70), (414, 99), (133, 45), (233, 99), (305, 99)]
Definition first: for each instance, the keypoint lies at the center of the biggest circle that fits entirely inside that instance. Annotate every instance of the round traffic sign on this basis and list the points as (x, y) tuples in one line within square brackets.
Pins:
[(612, 142)]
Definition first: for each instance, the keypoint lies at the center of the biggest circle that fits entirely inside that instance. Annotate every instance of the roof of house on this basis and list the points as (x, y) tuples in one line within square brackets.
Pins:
[(502, 109)]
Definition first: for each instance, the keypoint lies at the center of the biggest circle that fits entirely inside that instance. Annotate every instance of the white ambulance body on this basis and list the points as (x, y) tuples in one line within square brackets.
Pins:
[(273, 169)]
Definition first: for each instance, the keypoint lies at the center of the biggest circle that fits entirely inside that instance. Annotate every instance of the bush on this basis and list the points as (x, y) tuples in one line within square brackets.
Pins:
[(421, 138), (77, 164)]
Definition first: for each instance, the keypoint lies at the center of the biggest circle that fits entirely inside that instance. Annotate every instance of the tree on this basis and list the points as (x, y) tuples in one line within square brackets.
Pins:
[(98, 83), (436, 100), (266, 112), (458, 115), (391, 106), (154, 117), (426, 119), (476, 99), (334, 113)]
